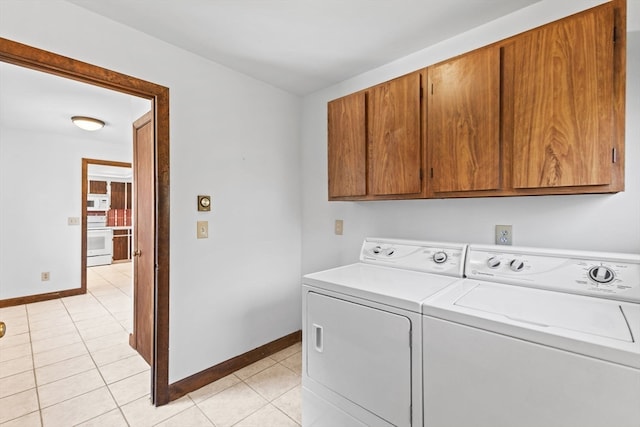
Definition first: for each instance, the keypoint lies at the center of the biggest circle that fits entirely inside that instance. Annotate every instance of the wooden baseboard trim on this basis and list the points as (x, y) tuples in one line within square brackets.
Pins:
[(10, 302), (202, 378)]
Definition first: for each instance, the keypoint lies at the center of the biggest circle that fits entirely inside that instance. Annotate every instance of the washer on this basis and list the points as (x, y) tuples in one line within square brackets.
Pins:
[(535, 337), (362, 329)]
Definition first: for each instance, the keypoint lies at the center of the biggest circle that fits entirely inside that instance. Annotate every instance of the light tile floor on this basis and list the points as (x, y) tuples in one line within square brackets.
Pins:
[(67, 362)]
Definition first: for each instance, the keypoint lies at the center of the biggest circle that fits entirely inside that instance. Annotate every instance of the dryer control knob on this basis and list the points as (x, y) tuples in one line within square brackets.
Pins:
[(601, 274), (439, 257), (493, 262), (376, 250), (516, 265)]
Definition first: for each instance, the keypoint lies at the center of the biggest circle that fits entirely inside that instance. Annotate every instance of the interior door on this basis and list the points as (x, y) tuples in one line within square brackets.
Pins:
[(143, 237), (362, 354)]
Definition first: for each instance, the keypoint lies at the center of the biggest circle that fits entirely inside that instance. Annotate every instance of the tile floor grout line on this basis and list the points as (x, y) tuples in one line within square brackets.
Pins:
[(33, 365)]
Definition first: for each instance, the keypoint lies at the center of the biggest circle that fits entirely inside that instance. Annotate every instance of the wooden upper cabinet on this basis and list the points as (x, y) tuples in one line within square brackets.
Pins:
[(563, 115), (394, 134), (97, 187), (347, 146), (463, 122)]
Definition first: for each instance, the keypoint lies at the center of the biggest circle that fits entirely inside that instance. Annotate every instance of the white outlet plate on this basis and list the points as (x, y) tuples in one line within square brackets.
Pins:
[(73, 220), (339, 227), (45, 276), (504, 235)]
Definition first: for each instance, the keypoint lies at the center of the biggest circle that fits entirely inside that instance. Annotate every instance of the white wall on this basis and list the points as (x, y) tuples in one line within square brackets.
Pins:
[(232, 137), (608, 222), (40, 187)]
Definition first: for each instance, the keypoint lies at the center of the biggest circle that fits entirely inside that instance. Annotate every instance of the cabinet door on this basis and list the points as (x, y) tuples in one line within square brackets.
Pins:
[(395, 149), (464, 122), (347, 146), (118, 195), (97, 187), (563, 115)]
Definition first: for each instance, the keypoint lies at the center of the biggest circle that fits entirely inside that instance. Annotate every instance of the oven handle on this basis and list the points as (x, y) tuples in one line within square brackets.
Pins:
[(318, 338)]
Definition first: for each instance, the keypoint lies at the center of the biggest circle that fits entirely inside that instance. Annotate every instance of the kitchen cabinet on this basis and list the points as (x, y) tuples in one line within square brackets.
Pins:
[(395, 137), (463, 122), (375, 148), (538, 113), (121, 244), (120, 195), (97, 187), (347, 146), (563, 78)]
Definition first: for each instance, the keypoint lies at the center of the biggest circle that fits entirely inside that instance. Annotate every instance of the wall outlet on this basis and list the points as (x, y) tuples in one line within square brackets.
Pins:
[(203, 230), (44, 276), (73, 220), (339, 227), (504, 235)]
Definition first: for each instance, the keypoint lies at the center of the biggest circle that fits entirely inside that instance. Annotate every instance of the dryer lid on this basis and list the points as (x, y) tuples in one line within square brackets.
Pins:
[(592, 316)]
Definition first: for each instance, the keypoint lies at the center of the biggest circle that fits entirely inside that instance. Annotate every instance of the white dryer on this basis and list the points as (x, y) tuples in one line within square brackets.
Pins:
[(535, 337), (362, 331)]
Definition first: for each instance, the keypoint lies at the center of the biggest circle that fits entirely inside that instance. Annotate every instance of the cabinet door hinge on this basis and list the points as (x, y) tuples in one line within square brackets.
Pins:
[(614, 155), (431, 88), (420, 174), (421, 92), (432, 173), (615, 34)]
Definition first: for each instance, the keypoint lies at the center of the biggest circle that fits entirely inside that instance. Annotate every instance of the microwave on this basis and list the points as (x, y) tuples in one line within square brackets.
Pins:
[(98, 202)]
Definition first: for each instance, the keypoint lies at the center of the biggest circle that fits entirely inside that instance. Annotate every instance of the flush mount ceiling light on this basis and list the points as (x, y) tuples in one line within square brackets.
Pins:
[(87, 123)]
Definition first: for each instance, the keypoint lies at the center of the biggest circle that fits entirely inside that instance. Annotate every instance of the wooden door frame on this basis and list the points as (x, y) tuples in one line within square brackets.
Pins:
[(85, 191), (40, 60)]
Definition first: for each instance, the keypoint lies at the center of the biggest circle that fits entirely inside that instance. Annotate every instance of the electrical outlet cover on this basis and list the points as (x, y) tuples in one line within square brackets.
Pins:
[(504, 235)]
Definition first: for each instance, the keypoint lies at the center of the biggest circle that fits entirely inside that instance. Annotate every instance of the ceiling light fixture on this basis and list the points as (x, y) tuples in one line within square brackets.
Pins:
[(87, 123)]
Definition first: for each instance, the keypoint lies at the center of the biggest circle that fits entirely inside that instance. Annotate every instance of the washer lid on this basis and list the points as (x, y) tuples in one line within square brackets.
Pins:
[(590, 316)]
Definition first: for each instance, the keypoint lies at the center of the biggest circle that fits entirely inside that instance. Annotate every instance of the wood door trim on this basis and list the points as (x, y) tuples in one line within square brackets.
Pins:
[(48, 62)]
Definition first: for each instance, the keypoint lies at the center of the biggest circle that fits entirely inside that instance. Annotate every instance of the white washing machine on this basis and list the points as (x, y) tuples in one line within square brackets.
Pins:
[(535, 337), (362, 331)]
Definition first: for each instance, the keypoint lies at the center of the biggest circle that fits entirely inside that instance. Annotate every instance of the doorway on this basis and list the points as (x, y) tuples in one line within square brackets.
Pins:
[(51, 63)]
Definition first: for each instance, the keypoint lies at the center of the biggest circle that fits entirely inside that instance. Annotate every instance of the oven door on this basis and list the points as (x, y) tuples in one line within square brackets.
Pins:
[(99, 242)]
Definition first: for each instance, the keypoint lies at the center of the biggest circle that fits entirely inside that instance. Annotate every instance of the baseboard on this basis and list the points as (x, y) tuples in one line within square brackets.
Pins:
[(10, 302), (202, 378)]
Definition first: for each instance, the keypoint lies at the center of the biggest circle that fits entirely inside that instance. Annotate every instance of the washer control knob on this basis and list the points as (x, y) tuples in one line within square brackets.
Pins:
[(439, 257), (390, 251), (601, 274), (493, 262), (516, 265), (376, 250)]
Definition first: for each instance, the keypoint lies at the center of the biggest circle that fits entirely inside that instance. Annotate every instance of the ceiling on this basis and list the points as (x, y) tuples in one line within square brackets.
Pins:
[(302, 46), (44, 103)]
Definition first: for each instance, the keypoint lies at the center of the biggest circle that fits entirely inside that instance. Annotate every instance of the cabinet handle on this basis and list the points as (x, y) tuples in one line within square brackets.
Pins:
[(3, 329), (318, 341)]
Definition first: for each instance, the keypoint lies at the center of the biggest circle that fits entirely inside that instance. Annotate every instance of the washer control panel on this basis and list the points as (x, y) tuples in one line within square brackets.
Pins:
[(430, 257), (600, 274)]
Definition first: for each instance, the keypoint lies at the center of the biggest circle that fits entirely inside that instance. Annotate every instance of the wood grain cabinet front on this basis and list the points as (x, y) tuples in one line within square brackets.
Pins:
[(375, 148), (538, 113), (562, 98), (463, 123)]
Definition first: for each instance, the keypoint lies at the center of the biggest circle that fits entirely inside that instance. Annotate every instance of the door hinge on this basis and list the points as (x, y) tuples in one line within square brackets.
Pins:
[(431, 88), (431, 173), (421, 92), (615, 34), (614, 155), (420, 174)]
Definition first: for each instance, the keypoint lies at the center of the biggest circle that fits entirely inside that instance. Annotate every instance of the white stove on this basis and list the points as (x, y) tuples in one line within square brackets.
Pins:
[(362, 329), (535, 337), (99, 241)]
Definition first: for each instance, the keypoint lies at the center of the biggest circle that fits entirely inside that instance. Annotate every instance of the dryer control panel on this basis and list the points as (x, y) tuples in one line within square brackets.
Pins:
[(430, 257), (599, 274)]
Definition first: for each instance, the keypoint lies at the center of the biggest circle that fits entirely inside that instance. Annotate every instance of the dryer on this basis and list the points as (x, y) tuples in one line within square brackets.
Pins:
[(362, 331), (535, 337)]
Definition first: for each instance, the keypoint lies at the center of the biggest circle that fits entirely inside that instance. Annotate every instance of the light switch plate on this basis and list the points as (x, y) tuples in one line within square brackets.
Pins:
[(203, 230)]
